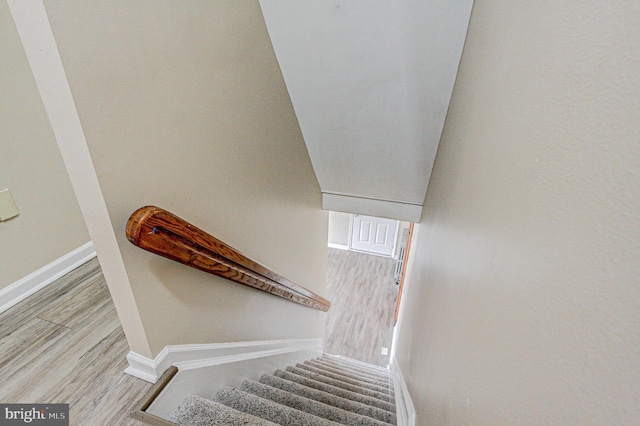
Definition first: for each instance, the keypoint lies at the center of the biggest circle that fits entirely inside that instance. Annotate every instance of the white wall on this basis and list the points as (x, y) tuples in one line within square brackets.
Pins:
[(370, 83), (50, 224), (183, 106), (339, 229), (522, 304)]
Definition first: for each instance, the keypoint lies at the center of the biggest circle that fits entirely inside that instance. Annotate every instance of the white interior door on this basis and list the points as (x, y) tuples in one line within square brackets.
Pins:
[(374, 235)]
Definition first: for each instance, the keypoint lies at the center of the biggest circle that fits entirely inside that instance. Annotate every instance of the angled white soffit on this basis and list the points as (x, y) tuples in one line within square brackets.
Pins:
[(370, 82)]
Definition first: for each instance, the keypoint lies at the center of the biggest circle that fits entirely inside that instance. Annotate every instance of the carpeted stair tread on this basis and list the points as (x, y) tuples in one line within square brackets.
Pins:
[(384, 396), (348, 377), (198, 411), (354, 370), (356, 365), (325, 391), (329, 399), (269, 410), (351, 365), (344, 379), (358, 375), (338, 391), (307, 405), (354, 361)]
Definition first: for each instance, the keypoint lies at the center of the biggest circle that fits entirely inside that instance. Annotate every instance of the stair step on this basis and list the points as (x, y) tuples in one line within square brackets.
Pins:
[(329, 399), (269, 410), (383, 396), (354, 361), (325, 391), (383, 388), (198, 411), (341, 392), (307, 405), (357, 366), (356, 374)]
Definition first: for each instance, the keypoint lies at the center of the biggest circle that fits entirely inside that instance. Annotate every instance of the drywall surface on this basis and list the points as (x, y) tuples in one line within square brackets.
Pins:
[(50, 224), (184, 107), (523, 301), (370, 83), (339, 229)]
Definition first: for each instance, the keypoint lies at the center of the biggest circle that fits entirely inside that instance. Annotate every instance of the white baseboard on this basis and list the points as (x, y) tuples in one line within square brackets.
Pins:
[(25, 287), (405, 410), (188, 357), (337, 246)]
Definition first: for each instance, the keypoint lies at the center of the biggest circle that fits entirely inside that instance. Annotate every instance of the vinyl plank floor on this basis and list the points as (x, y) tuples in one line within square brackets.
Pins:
[(47, 299), (88, 300), (65, 344), (363, 297)]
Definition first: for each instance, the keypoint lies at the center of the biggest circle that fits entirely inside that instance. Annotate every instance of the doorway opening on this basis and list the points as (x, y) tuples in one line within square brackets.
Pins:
[(365, 266)]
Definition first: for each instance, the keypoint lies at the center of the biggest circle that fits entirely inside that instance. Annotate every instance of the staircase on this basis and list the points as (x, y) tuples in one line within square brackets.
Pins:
[(328, 390)]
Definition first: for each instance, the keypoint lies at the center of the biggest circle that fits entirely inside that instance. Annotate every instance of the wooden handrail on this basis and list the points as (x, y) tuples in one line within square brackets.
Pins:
[(163, 233)]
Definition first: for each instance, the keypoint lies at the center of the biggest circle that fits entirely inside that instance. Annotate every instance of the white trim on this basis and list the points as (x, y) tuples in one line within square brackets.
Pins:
[(142, 367), (405, 410), (398, 210), (338, 246), (192, 365), (25, 287), (188, 357)]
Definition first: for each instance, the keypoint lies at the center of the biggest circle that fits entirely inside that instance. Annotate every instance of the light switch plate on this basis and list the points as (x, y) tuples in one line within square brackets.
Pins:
[(8, 208)]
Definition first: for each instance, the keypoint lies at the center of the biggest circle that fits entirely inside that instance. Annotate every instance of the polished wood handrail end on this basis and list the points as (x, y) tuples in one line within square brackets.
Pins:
[(161, 232), (137, 220)]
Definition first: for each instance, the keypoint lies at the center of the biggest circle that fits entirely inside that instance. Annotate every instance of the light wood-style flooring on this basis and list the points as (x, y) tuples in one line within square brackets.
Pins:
[(363, 298), (65, 345)]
